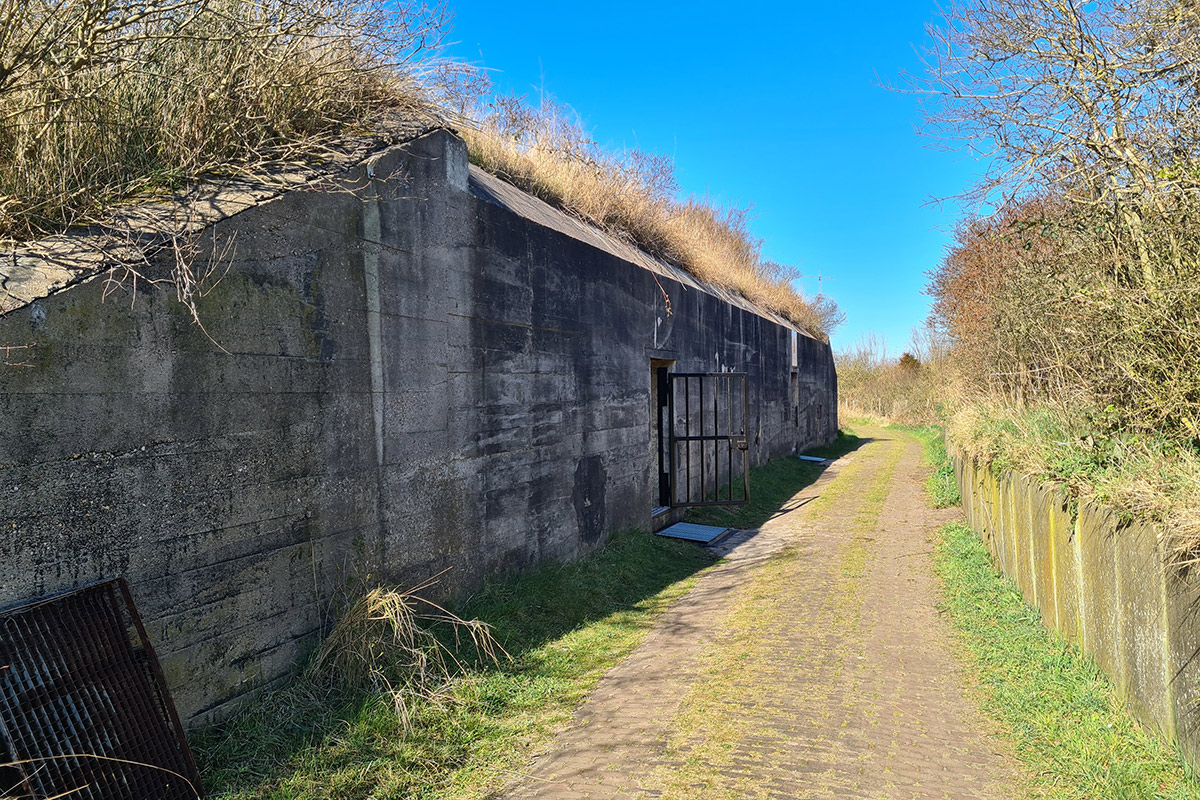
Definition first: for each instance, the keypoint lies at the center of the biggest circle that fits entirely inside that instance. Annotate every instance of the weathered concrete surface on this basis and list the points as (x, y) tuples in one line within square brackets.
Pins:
[(1022, 533), (1145, 654), (1066, 567), (1001, 529), (1183, 657), (1043, 556), (1102, 634), (425, 370), (1105, 585)]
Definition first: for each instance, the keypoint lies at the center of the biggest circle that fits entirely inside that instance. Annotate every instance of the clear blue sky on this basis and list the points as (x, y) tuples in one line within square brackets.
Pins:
[(771, 104)]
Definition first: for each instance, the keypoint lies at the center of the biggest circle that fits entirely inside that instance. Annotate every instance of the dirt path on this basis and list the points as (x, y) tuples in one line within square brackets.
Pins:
[(810, 663)]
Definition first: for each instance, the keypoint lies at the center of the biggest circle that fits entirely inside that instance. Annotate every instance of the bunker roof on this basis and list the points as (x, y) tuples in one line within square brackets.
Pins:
[(129, 234), (492, 189)]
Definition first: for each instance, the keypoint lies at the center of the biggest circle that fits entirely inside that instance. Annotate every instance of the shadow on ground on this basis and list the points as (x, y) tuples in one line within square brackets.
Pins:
[(774, 486)]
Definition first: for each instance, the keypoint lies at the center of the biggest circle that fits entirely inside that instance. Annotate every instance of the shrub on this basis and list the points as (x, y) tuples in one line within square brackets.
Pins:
[(909, 390)]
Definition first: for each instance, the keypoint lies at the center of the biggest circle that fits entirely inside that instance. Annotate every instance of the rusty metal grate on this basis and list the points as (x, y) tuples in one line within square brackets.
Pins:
[(709, 460), (84, 708)]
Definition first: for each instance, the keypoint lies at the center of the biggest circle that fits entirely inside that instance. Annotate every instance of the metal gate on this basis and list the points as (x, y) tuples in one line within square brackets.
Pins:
[(709, 456)]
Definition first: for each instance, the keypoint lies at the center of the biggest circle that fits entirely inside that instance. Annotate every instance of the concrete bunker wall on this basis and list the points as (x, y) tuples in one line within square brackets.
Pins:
[(1109, 587), (434, 371)]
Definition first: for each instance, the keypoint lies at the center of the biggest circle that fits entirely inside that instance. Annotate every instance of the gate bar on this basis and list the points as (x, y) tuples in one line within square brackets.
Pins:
[(730, 439)]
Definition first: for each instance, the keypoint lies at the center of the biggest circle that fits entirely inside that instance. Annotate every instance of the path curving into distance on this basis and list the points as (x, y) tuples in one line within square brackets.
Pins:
[(811, 662)]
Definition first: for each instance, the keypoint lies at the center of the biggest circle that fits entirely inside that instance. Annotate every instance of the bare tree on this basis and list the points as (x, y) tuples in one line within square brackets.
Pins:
[(1095, 100)]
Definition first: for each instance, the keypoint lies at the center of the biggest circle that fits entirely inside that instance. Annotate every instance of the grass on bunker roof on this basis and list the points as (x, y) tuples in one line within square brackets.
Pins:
[(111, 102), (102, 101), (632, 195)]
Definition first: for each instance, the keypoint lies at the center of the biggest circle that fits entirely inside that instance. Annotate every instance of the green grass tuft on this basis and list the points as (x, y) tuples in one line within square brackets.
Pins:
[(1064, 718), (940, 485)]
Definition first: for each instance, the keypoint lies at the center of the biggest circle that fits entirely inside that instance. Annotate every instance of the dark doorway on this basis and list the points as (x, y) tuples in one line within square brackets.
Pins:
[(660, 426)]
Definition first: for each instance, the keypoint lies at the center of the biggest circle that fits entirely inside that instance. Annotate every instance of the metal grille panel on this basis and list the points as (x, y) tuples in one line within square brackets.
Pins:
[(84, 708), (709, 458)]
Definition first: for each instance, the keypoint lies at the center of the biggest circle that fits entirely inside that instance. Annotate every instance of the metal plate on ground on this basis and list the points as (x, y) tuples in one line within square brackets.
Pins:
[(84, 707), (704, 534)]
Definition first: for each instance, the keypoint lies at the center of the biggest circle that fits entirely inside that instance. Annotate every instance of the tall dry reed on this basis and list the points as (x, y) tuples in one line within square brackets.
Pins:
[(388, 641)]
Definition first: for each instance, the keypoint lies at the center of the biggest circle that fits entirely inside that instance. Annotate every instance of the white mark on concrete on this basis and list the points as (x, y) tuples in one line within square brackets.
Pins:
[(458, 169)]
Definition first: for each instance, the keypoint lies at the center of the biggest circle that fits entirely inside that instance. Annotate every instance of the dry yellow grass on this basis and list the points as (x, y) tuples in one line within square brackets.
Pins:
[(106, 100), (631, 196), (103, 100), (386, 641)]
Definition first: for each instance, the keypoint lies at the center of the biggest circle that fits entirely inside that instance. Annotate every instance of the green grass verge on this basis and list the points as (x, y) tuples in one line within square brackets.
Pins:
[(941, 486), (773, 484), (1062, 714), (564, 626)]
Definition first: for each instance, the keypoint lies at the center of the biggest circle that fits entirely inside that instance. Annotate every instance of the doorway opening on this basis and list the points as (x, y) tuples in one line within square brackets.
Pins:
[(660, 444), (708, 453)]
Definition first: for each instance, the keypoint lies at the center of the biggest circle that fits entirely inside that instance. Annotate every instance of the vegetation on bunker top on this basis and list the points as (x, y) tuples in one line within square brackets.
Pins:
[(103, 102), (632, 195)]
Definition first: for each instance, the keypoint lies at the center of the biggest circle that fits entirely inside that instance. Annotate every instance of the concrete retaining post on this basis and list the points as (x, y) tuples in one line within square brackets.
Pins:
[(1102, 636), (1066, 566), (1182, 590), (1141, 586), (1104, 585), (1043, 563)]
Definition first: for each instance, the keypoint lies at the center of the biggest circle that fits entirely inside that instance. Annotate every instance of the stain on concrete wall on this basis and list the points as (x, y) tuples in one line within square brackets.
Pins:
[(435, 371)]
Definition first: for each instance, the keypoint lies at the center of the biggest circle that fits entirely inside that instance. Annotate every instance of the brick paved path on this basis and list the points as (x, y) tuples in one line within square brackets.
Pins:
[(810, 663)]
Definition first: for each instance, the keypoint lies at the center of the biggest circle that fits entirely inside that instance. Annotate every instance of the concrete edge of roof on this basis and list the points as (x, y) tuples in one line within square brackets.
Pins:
[(493, 189), (130, 233), (34, 270)]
